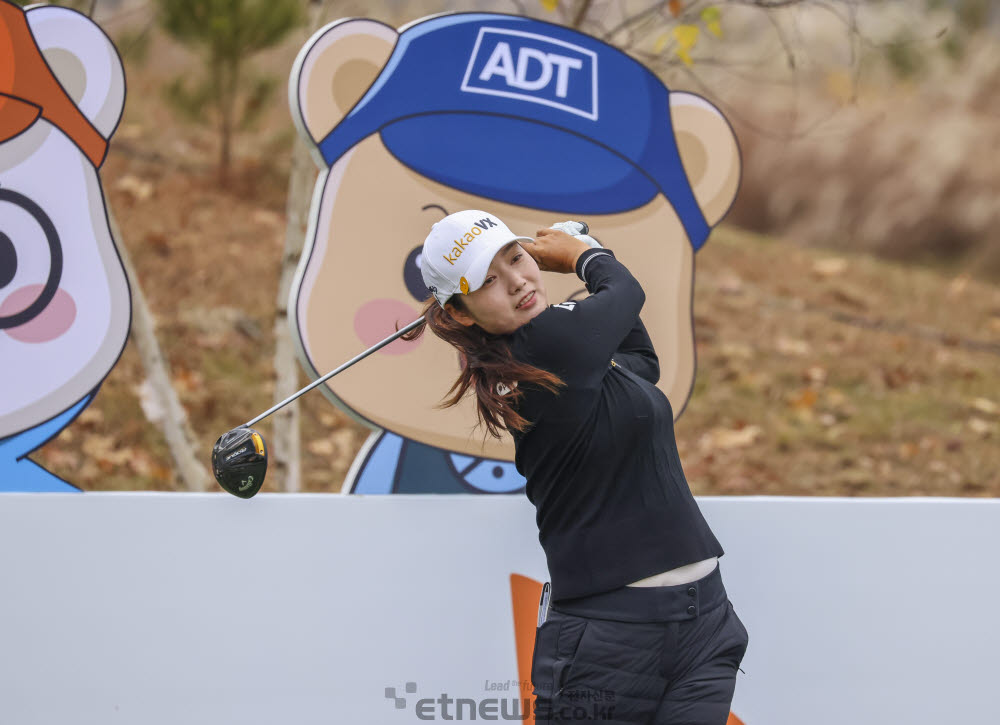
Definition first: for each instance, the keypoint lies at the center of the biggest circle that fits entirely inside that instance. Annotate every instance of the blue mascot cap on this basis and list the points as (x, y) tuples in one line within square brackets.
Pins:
[(524, 112)]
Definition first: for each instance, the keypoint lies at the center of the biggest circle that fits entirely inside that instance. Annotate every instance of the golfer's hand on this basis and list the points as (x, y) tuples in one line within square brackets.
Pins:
[(555, 251)]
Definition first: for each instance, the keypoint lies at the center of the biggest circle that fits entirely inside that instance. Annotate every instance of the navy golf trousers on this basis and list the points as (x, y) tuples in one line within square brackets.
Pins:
[(665, 655)]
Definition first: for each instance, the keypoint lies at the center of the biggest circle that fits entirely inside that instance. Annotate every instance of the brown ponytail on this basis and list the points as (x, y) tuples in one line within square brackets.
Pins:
[(487, 362)]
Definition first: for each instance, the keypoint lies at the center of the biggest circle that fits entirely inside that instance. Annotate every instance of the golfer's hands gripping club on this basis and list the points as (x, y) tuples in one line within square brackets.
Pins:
[(555, 251), (579, 230)]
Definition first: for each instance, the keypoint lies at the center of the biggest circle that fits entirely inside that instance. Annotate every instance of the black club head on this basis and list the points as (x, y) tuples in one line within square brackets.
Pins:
[(239, 461)]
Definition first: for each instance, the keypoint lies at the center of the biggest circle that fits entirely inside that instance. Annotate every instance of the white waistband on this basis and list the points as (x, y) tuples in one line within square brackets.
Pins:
[(680, 575)]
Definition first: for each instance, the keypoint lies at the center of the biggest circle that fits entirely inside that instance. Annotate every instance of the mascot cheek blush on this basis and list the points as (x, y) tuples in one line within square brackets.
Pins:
[(535, 123), (64, 300)]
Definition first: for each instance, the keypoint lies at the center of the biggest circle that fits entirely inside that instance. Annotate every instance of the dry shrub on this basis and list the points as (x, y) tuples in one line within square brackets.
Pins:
[(910, 173)]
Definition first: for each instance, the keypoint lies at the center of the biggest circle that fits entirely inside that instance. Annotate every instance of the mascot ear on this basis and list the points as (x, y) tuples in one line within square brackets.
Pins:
[(85, 62), (709, 152), (333, 70)]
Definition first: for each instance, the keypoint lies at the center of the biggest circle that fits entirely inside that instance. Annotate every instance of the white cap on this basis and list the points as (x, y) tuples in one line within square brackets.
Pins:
[(459, 249)]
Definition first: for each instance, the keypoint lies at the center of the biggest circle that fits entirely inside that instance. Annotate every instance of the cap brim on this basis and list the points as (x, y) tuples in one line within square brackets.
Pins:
[(478, 269)]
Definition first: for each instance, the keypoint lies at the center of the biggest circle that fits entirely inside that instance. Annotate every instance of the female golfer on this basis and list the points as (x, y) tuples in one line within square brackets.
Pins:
[(640, 629)]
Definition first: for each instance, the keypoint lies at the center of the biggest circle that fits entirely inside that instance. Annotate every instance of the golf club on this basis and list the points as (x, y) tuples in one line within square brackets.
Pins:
[(239, 457)]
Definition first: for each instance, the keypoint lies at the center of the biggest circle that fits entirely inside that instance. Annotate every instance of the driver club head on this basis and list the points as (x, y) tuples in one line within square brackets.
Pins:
[(239, 461)]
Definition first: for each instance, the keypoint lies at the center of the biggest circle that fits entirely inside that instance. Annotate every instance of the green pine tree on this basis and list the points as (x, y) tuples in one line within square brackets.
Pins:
[(226, 33)]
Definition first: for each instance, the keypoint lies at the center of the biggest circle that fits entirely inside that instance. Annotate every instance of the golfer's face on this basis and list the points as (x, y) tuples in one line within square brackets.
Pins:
[(511, 294)]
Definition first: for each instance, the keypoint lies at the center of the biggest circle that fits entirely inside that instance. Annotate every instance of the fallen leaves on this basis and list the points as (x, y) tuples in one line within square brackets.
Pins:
[(129, 131), (158, 242), (730, 283), (59, 458), (736, 350), (212, 326), (848, 298), (190, 382), (725, 438), (957, 286), (135, 188), (109, 456), (815, 374), (338, 446), (804, 399), (266, 218), (829, 267), (321, 447), (984, 405), (90, 417), (981, 427), (897, 376), (791, 346)]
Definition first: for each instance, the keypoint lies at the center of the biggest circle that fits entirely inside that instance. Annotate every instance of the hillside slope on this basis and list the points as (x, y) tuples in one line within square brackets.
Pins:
[(817, 374)]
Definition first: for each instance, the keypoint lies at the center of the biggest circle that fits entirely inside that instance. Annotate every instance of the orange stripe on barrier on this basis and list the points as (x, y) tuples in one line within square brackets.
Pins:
[(525, 593)]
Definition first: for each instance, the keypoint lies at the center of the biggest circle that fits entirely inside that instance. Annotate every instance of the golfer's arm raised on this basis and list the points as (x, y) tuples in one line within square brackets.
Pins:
[(637, 352), (592, 331)]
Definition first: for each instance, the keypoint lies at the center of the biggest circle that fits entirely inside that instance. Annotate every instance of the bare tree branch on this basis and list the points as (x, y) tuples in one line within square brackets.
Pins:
[(581, 13), (174, 423), (286, 456), (628, 22)]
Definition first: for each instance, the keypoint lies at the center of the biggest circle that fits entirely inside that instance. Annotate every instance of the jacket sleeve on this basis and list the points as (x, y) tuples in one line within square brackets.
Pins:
[(577, 340), (637, 354)]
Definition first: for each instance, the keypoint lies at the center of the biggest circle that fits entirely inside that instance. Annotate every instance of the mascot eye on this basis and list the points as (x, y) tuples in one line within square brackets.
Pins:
[(31, 259), (494, 477), (411, 275), (8, 260)]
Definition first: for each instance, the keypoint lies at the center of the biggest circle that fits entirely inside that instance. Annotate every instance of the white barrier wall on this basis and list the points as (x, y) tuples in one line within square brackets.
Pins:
[(171, 608)]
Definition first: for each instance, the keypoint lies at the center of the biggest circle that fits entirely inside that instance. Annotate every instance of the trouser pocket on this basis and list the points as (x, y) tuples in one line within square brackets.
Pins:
[(615, 672), (556, 643)]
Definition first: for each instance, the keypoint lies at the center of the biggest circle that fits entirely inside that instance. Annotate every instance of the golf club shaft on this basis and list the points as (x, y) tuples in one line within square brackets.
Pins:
[(320, 381)]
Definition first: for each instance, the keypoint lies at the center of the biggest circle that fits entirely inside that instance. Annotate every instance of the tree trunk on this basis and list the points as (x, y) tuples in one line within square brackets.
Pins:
[(174, 424), (224, 154), (226, 83), (285, 454)]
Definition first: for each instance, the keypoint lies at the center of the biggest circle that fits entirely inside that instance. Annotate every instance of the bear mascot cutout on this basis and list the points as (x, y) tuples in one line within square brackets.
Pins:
[(528, 120), (65, 306)]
